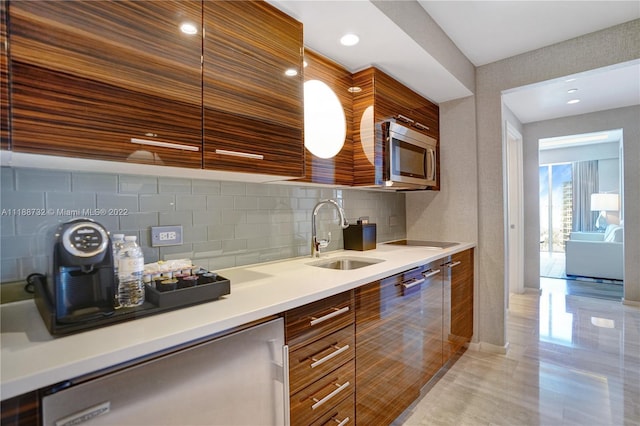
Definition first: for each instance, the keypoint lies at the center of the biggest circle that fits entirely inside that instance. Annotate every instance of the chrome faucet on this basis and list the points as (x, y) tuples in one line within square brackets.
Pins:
[(316, 244)]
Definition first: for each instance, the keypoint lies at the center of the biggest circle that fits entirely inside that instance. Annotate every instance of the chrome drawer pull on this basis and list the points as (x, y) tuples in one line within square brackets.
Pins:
[(453, 265), (421, 126), (428, 274), (339, 389), (164, 144), (335, 313), (342, 422), (335, 353), (240, 154), (407, 285), (405, 119)]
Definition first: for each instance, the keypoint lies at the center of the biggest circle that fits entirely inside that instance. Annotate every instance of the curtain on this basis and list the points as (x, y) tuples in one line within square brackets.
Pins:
[(585, 183)]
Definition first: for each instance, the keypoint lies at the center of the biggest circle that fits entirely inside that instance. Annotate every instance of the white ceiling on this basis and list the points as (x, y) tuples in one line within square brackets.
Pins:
[(484, 31)]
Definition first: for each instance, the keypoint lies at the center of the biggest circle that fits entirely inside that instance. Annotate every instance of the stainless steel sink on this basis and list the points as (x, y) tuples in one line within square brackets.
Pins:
[(346, 263)]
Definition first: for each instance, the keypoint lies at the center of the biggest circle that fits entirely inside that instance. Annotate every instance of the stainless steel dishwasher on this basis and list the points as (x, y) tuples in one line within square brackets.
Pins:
[(238, 379)]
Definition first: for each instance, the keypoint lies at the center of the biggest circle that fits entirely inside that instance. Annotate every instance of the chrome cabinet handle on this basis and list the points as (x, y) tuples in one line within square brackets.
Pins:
[(453, 264), (335, 313), (165, 144), (333, 354), (339, 388), (421, 126), (286, 388), (341, 422), (430, 273), (405, 119), (239, 154), (414, 282)]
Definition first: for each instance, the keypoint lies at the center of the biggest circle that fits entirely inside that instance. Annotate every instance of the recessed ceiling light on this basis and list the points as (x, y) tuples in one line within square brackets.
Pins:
[(349, 40), (304, 64), (573, 101), (189, 28), (354, 89), (572, 90), (291, 72)]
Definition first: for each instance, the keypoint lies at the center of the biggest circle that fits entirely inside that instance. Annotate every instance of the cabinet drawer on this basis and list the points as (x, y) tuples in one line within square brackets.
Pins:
[(316, 359), (316, 400), (314, 320), (342, 414)]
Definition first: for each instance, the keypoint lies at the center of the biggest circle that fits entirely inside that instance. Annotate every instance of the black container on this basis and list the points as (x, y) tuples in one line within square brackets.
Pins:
[(360, 237)]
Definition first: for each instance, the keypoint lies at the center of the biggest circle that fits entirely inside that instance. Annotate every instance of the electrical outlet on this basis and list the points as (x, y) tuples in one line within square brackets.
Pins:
[(166, 236)]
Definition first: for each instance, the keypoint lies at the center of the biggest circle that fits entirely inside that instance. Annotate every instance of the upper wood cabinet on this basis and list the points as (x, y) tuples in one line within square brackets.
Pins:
[(107, 80), (379, 97), (4, 78), (339, 168), (253, 104)]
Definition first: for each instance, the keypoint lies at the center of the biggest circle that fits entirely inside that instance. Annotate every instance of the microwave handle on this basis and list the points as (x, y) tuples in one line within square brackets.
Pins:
[(432, 153)]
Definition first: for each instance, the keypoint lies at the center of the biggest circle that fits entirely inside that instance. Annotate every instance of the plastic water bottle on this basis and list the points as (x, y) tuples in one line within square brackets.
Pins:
[(117, 242), (130, 271)]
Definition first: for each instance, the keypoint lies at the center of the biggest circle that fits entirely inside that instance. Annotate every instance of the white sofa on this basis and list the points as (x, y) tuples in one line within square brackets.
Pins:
[(596, 254)]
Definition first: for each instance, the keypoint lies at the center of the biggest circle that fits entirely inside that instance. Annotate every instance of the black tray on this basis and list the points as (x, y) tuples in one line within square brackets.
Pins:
[(155, 302)]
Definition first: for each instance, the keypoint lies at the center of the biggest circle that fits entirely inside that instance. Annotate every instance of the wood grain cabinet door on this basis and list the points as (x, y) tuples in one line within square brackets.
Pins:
[(4, 78), (108, 80), (253, 106), (339, 168), (458, 302), (389, 347)]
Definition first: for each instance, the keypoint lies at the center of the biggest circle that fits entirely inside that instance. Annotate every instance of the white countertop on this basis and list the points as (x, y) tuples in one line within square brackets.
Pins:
[(30, 358)]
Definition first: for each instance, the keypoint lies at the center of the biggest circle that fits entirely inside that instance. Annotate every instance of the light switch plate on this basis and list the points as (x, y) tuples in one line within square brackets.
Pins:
[(162, 236)]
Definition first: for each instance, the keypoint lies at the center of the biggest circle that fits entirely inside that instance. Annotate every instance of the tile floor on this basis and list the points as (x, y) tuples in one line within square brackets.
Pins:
[(572, 360)]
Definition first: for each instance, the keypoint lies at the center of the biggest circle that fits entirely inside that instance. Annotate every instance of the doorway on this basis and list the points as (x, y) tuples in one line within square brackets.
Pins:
[(577, 250), (515, 210)]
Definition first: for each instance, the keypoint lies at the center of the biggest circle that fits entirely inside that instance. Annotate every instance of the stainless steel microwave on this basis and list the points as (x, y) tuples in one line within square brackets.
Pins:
[(410, 160)]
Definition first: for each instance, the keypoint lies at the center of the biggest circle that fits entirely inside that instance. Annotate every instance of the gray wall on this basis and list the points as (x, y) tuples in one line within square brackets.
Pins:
[(225, 223), (624, 118), (607, 47)]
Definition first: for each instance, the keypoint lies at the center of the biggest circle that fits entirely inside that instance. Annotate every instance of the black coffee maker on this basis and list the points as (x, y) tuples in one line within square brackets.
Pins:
[(81, 279)]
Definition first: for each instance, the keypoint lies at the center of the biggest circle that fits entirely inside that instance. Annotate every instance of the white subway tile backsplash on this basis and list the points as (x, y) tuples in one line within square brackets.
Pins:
[(174, 185), (207, 217), (245, 203), (70, 202), (122, 202), (205, 187), (191, 202), (224, 223), (157, 202), (133, 184), (42, 180), (142, 221), (218, 202), (7, 181), (17, 200), (184, 218), (233, 188), (94, 182)]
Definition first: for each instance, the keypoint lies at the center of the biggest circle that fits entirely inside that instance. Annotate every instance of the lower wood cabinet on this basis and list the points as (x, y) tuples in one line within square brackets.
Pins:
[(398, 343), (22, 410), (458, 299), (320, 336)]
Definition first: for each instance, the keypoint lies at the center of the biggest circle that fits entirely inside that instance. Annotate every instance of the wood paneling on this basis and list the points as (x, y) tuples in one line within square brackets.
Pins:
[(22, 410), (299, 330), (342, 414), (383, 98), (458, 300), (90, 76), (398, 344), (4, 79), (339, 169), (341, 381), (301, 362), (251, 107), (329, 344)]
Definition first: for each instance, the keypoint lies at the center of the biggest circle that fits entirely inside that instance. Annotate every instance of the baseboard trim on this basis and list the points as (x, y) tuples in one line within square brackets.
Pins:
[(489, 348), (630, 302)]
